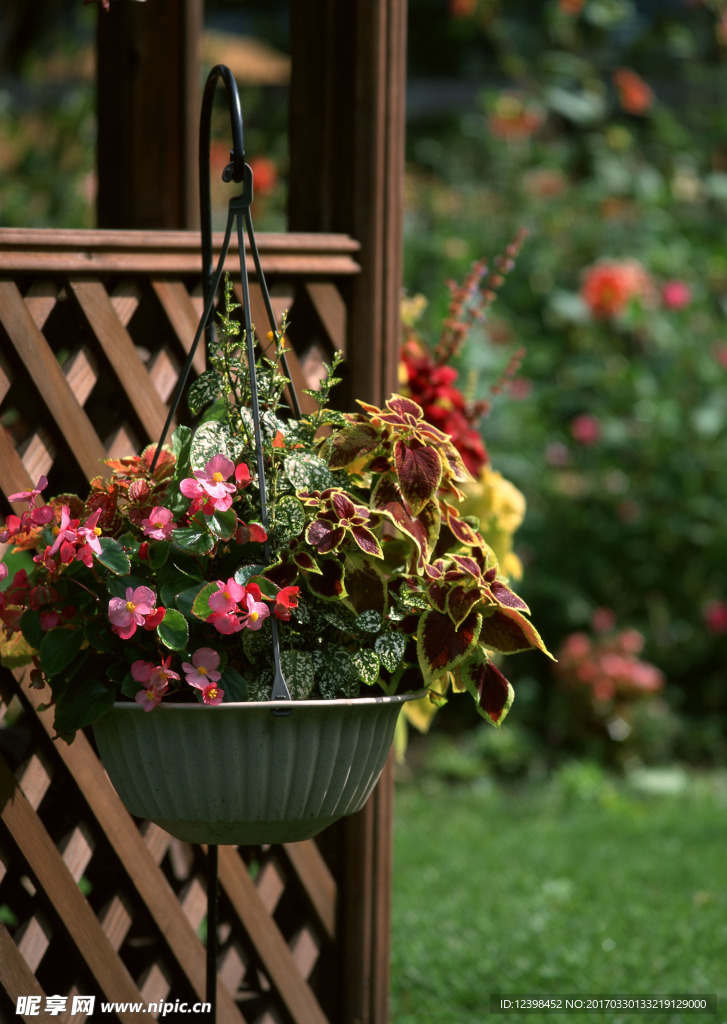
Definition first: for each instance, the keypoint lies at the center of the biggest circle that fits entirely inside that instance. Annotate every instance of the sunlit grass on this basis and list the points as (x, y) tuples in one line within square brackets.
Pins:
[(577, 886)]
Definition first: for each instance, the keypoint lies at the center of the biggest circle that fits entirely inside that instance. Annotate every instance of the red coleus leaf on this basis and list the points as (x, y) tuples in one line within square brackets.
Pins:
[(492, 692), (350, 443), (507, 631), (365, 584), (460, 603), (441, 645), (504, 596), (343, 506), (305, 562), (419, 470), (324, 536), (461, 530), (366, 541), (423, 529), (329, 584)]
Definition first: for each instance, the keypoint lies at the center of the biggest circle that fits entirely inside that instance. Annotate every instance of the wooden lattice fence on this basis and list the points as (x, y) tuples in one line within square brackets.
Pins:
[(94, 327)]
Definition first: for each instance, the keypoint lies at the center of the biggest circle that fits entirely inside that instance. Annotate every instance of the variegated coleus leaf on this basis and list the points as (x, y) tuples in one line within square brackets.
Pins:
[(508, 631), (348, 446), (329, 583), (366, 586), (492, 692), (419, 471), (441, 646), (422, 529)]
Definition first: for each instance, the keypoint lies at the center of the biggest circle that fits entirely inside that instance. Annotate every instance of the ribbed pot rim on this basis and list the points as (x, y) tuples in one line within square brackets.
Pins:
[(341, 702)]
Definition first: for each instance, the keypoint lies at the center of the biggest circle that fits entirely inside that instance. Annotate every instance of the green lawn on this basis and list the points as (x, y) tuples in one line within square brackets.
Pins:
[(575, 886)]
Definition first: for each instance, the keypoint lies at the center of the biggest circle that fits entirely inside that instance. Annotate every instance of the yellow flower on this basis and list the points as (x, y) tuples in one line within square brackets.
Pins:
[(500, 508)]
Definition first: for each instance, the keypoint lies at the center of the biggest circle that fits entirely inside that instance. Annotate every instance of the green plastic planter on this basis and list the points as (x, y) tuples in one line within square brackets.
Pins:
[(242, 773)]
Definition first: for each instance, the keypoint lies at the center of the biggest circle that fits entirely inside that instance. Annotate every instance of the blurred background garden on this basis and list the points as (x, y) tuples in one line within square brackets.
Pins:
[(574, 152)]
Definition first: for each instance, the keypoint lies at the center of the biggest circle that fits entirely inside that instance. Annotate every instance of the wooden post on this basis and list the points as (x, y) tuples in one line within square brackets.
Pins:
[(148, 97), (347, 128)]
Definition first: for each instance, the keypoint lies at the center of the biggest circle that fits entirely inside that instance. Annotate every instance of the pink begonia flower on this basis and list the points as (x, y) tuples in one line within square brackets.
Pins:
[(160, 523), (203, 669), (211, 483), (3, 570), (676, 294), (30, 496), (156, 679), (13, 525), (126, 614), (212, 695), (66, 537), (88, 534), (253, 613), (250, 532), (227, 596), (225, 622), (715, 616), (148, 698)]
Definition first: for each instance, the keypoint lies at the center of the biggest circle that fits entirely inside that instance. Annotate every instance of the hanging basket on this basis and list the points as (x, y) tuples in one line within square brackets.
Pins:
[(247, 773)]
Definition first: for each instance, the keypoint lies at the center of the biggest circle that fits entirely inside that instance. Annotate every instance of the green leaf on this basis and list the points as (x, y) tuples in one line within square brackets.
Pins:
[(181, 446), (299, 673), (223, 524), (367, 666), (173, 630), (390, 648), (245, 573), (200, 606), (233, 685), (289, 518), (113, 556), (58, 648), (130, 687), (307, 472), (186, 599), (209, 439), (99, 636), (158, 552), (369, 621), (193, 539), (30, 626), (205, 389), (267, 587), (80, 703)]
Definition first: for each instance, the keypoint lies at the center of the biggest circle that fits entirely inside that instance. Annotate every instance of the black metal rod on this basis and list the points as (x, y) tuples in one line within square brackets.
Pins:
[(213, 906)]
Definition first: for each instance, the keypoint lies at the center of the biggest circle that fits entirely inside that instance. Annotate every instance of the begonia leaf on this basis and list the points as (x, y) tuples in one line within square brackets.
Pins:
[(509, 632), (246, 572), (58, 648), (233, 685), (173, 630), (222, 525), (113, 556), (158, 552), (200, 607), (419, 469), (267, 587), (80, 703), (441, 645), (193, 539), (185, 600), (30, 626)]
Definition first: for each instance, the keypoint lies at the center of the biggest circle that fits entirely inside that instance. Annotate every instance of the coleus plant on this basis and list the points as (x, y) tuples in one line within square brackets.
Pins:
[(162, 582)]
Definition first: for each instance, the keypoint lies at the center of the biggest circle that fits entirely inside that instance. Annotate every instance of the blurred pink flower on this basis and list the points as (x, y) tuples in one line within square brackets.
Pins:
[(610, 285), (715, 616), (585, 429), (676, 294)]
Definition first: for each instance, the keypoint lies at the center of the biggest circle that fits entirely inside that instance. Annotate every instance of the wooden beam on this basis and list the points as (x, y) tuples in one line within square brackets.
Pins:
[(148, 99)]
